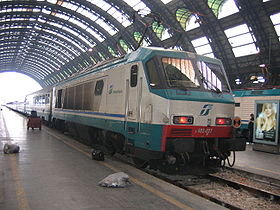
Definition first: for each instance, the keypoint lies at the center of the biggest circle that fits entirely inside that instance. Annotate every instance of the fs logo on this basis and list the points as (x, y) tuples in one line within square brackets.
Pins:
[(206, 109)]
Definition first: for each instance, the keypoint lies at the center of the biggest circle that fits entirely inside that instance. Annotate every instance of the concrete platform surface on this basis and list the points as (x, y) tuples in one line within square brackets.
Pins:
[(263, 163), (54, 172)]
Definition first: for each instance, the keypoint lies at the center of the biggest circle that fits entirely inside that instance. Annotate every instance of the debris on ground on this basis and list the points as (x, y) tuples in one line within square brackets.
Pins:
[(10, 148), (115, 180)]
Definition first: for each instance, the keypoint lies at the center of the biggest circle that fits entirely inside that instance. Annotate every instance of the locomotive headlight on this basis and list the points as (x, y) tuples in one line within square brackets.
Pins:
[(183, 120), (223, 121)]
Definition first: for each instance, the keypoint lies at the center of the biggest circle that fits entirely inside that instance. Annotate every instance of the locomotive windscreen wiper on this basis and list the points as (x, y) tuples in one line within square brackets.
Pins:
[(208, 83)]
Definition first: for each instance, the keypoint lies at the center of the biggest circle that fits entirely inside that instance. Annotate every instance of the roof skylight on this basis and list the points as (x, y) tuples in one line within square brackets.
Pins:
[(120, 17), (138, 5), (202, 46), (276, 22), (228, 8), (242, 40), (166, 1)]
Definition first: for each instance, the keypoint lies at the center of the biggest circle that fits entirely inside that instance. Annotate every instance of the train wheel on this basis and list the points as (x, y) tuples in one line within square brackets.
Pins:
[(140, 163)]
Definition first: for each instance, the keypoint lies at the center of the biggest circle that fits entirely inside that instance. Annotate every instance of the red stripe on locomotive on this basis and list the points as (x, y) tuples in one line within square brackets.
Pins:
[(173, 131)]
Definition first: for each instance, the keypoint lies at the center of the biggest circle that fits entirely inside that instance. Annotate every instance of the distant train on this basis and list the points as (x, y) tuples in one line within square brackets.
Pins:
[(245, 103), (162, 107)]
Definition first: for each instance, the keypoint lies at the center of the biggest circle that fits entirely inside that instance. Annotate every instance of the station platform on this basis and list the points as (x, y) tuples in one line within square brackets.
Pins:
[(258, 162), (53, 171)]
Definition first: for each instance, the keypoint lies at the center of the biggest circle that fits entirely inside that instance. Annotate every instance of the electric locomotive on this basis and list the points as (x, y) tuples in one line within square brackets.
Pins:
[(160, 106)]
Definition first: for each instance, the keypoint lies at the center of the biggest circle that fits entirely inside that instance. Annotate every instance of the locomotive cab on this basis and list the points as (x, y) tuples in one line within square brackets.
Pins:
[(191, 108)]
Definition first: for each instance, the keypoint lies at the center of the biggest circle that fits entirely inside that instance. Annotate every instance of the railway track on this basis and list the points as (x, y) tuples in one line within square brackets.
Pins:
[(229, 187), (257, 185)]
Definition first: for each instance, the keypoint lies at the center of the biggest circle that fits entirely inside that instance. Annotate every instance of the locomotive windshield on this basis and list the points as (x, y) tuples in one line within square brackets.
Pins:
[(212, 77), (179, 73)]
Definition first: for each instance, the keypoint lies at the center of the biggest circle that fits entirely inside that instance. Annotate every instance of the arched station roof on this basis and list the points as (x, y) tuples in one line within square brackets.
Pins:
[(49, 40)]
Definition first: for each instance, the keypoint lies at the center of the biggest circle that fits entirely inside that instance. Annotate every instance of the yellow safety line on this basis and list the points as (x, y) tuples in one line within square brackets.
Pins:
[(136, 181), (20, 192)]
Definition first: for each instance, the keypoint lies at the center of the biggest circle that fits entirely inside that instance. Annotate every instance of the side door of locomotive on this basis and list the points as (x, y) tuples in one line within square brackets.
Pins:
[(133, 101)]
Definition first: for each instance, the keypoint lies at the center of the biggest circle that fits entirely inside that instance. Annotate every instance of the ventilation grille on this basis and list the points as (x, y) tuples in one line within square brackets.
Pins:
[(181, 132)]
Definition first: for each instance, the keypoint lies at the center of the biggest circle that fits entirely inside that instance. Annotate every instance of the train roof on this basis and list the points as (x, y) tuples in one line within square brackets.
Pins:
[(141, 54), (42, 91), (257, 92)]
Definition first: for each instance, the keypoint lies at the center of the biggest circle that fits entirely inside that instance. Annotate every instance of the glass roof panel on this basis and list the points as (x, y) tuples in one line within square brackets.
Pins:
[(64, 37), (78, 23), (137, 36), (98, 20), (46, 11), (62, 16), (231, 32), (138, 6), (205, 49), (86, 41), (112, 11), (41, 20), (52, 1), (245, 50), (70, 30), (192, 24), (200, 41), (87, 14), (241, 40), (202, 46), (132, 3), (158, 29), (215, 5), (276, 22), (100, 3), (277, 28), (95, 34), (228, 8), (69, 5), (275, 18), (55, 24), (112, 51), (165, 34), (166, 1), (124, 45), (183, 15), (106, 26)]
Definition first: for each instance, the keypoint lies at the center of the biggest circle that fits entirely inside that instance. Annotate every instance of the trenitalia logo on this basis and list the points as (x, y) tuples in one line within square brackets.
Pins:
[(206, 109)]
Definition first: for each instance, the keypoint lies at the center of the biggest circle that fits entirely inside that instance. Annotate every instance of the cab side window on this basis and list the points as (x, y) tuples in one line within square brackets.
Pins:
[(152, 73), (133, 76), (99, 87)]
